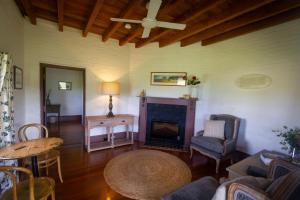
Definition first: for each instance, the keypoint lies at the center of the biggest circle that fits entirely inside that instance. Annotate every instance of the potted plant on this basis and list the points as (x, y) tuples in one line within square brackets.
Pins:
[(290, 141), (193, 83)]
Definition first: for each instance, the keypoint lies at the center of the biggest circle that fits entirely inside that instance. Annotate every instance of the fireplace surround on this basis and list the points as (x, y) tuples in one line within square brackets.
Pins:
[(166, 122)]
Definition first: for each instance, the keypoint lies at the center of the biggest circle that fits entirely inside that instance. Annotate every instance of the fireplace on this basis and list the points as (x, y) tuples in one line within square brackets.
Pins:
[(166, 122)]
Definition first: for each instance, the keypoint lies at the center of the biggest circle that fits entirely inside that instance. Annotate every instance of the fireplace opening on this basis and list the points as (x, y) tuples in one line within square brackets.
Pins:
[(165, 130), (165, 125)]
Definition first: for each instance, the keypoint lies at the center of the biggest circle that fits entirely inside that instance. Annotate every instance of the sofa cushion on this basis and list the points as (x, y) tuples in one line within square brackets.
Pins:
[(214, 128), (203, 189), (210, 143)]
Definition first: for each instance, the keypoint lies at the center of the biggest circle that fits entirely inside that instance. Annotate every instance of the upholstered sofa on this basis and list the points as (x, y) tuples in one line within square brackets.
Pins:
[(281, 183)]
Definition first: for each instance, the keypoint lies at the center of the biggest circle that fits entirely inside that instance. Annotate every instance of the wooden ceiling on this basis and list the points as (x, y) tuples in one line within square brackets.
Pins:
[(208, 21)]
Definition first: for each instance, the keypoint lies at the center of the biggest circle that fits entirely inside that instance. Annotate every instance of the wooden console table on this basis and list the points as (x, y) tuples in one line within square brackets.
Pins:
[(109, 124)]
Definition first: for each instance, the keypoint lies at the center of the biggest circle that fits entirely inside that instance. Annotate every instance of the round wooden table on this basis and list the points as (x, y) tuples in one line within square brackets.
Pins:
[(31, 148)]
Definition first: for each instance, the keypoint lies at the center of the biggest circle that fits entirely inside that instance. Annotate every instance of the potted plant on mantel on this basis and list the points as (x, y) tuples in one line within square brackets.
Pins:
[(290, 141), (193, 85)]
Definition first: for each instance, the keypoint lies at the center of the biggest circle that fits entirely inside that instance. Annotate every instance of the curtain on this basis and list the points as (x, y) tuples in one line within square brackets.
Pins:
[(7, 133)]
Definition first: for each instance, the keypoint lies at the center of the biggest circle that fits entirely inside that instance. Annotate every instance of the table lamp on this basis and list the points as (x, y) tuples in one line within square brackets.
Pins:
[(110, 88)]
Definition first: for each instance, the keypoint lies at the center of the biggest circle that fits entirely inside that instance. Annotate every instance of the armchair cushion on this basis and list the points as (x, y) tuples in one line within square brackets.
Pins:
[(209, 143), (203, 189), (229, 124), (214, 128)]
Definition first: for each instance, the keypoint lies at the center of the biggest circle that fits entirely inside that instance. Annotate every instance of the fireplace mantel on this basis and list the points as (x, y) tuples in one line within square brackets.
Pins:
[(190, 115)]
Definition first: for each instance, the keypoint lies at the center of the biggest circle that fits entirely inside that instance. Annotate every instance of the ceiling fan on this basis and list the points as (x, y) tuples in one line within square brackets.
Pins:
[(150, 21)]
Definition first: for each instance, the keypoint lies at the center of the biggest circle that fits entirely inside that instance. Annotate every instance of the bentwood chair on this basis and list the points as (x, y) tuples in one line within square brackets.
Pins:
[(214, 147), (31, 189), (47, 159)]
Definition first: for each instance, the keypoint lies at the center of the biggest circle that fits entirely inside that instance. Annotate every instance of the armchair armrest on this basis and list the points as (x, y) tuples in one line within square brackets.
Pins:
[(229, 146), (238, 191), (200, 133), (280, 167)]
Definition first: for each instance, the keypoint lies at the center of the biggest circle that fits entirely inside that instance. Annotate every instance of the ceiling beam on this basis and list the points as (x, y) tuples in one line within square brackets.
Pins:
[(124, 14), (266, 23), (29, 11), (234, 9), (98, 5), (185, 18), (139, 30), (60, 14), (136, 32), (267, 11)]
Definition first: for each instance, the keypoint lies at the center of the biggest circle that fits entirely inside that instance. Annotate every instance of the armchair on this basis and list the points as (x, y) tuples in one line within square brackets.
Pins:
[(216, 148)]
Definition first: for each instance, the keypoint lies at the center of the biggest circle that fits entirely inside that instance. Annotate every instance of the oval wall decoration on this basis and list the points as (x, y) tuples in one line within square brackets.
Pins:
[(253, 81)]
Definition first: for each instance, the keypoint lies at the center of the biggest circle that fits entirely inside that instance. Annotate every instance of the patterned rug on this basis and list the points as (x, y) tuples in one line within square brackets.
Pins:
[(146, 174)]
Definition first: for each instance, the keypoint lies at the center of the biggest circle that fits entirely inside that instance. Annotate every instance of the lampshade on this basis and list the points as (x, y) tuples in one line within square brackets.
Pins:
[(110, 88)]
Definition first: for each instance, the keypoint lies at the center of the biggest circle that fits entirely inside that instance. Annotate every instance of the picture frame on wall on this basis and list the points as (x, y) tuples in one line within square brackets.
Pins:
[(18, 78), (168, 78), (63, 85)]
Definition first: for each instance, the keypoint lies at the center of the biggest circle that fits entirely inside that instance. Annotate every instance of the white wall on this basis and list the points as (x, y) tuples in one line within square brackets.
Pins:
[(12, 41), (273, 52), (103, 62), (71, 101)]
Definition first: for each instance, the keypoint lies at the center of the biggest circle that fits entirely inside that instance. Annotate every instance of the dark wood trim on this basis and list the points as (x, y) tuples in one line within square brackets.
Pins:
[(190, 115), (98, 5), (114, 26), (29, 11), (60, 14), (234, 10), (43, 67), (258, 15), (185, 18), (266, 23)]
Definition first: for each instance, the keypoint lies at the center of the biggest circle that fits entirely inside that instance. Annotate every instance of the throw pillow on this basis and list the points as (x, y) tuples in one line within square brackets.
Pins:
[(214, 128)]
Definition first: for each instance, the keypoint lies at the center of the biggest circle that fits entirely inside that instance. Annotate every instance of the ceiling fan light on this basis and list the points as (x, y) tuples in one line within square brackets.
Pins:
[(128, 26)]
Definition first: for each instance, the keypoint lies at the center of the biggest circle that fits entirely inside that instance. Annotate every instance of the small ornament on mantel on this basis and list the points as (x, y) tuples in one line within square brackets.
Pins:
[(143, 93)]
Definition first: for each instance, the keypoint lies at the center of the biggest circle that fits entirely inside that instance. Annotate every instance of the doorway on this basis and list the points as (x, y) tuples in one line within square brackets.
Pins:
[(63, 102)]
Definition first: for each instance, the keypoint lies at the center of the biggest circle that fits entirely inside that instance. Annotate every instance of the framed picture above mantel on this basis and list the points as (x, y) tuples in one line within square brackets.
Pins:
[(168, 78)]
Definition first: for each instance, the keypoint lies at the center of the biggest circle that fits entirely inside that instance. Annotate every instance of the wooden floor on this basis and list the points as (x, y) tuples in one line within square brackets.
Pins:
[(83, 172)]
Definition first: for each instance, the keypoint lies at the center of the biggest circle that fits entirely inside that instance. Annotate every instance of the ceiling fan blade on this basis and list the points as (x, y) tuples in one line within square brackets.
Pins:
[(170, 25), (146, 32), (125, 20), (153, 8)]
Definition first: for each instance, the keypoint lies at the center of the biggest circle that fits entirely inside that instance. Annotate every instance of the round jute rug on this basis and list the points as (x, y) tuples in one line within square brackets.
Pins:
[(146, 174)]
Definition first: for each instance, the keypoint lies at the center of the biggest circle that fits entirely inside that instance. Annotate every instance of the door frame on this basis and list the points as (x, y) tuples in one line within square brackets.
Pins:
[(43, 67)]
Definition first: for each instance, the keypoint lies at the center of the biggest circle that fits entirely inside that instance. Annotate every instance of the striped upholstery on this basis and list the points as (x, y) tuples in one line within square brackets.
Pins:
[(289, 187), (214, 129)]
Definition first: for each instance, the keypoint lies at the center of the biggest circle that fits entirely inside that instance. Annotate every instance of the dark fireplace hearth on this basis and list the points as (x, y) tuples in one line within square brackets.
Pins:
[(166, 122)]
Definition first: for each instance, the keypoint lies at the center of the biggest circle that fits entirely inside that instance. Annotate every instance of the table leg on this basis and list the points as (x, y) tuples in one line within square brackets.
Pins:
[(35, 166)]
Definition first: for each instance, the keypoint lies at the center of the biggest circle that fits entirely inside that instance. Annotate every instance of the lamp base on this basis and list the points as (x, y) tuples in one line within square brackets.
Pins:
[(110, 114), (110, 107)]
